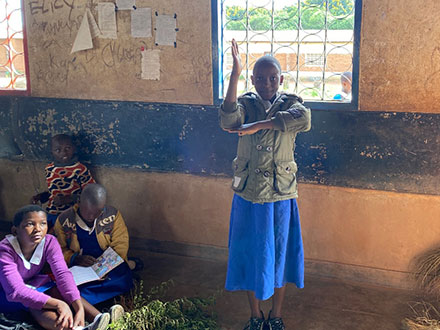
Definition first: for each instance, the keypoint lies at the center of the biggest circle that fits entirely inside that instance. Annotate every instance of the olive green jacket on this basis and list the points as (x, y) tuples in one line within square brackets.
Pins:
[(265, 169)]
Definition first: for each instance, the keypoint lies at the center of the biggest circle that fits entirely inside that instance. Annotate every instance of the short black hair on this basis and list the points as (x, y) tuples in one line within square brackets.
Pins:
[(94, 193), (62, 138), (267, 59), (21, 213)]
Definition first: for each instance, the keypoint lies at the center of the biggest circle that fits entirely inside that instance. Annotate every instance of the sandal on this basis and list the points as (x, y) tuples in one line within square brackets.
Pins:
[(275, 323), (100, 322), (255, 323)]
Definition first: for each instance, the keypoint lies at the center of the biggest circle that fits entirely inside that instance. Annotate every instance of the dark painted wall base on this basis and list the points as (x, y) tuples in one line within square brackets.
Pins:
[(368, 150)]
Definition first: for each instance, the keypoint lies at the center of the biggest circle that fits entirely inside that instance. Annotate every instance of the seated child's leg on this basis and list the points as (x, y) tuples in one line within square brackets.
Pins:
[(45, 318), (89, 310)]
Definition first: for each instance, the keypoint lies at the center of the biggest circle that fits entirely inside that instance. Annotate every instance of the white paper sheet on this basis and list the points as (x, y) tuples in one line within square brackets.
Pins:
[(125, 4), (107, 20), (141, 23), (94, 29), (151, 64), (83, 275), (165, 30), (83, 38)]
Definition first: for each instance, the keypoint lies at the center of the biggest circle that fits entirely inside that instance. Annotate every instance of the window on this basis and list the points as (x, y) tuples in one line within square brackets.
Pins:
[(13, 62), (314, 60), (315, 41)]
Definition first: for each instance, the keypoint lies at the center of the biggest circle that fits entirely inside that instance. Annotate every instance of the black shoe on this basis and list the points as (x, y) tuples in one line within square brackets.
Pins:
[(255, 323), (275, 323)]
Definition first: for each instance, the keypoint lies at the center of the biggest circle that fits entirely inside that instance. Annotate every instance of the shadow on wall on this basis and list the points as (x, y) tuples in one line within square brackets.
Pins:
[(2, 207)]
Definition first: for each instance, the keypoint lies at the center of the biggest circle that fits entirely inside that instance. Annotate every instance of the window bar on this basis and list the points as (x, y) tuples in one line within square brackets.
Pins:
[(298, 48), (325, 49), (247, 46), (273, 28)]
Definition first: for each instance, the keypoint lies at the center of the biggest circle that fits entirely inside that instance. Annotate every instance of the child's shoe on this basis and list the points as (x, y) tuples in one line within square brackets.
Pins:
[(100, 322), (275, 323), (116, 312), (255, 323)]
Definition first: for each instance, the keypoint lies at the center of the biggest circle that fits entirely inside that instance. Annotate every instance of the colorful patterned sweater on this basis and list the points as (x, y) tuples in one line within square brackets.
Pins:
[(65, 180)]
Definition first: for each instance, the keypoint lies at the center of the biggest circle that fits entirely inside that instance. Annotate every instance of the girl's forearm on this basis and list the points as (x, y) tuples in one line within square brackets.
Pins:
[(231, 94), (77, 305), (265, 124)]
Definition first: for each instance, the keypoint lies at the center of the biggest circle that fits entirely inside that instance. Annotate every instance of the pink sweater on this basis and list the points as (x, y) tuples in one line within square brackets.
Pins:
[(14, 275)]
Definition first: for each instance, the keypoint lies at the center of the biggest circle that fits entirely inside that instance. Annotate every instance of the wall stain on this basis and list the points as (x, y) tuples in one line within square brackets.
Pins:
[(367, 150)]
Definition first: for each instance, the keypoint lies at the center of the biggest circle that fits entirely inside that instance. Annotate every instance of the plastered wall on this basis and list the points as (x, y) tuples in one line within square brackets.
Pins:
[(361, 231), (111, 70), (400, 56)]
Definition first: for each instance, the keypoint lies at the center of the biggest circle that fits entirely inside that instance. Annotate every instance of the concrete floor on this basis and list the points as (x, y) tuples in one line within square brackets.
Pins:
[(324, 304)]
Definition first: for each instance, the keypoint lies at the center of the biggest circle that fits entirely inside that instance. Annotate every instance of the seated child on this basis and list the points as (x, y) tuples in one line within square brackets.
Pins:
[(65, 178), (22, 257), (85, 231)]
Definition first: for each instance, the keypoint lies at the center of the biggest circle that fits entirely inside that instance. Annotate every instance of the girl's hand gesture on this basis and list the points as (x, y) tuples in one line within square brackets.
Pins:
[(236, 67), (78, 320), (65, 317)]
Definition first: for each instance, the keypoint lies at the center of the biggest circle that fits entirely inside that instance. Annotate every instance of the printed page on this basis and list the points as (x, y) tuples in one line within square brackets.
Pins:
[(125, 4), (165, 30), (150, 64), (107, 20), (83, 275), (141, 23), (106, 262), (94, 29)]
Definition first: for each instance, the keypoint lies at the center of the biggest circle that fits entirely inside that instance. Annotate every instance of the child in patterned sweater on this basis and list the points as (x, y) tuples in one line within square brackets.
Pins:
[(65, 177)]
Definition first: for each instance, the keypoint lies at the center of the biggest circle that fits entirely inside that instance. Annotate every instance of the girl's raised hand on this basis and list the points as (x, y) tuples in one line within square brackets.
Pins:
[(236, 67)]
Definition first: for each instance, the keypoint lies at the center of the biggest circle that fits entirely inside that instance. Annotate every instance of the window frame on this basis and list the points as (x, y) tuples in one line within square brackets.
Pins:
[(27, 91), (217, 76)]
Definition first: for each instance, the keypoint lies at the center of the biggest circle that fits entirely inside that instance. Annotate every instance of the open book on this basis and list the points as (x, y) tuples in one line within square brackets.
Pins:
[(104, 264)]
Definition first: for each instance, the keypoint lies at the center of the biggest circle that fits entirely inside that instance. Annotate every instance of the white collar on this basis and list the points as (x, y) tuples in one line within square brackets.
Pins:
[(36, 256), (80, 222)]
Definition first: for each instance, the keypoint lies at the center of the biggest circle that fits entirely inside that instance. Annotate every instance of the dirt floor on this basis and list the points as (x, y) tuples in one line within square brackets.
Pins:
[(324, 304)]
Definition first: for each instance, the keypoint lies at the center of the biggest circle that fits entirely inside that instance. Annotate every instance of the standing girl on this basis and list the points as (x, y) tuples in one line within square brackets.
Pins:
[(265, 244)]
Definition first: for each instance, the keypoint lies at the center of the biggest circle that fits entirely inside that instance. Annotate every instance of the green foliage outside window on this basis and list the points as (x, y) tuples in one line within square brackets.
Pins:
[(340, 16)]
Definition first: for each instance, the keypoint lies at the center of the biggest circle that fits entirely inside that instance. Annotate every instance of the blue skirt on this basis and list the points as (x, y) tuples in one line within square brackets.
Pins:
[(116, 282), (265, 247)]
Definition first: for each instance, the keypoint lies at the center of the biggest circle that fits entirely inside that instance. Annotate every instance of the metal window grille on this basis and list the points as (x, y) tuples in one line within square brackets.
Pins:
[(314, 60), (312, 39), (12, 45)]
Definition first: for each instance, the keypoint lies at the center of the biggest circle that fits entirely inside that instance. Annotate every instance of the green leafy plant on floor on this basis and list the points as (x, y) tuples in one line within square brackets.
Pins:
[(150, 311)]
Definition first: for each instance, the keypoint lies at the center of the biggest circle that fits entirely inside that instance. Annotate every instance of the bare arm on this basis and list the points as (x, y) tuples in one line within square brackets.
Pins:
[(231, 94), (252, 128)]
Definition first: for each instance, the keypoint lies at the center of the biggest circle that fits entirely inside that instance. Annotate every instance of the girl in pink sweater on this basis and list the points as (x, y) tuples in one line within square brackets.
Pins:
[(22, 257)]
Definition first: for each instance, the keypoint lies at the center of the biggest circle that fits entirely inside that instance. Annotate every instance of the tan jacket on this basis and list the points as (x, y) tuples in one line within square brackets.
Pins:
[(110, 231), (265, 169)]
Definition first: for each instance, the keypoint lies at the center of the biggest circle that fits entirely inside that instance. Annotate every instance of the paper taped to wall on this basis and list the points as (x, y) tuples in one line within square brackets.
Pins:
[(107, 20), (150, 64), (94, 29), (141, 23), (83, 38), (125, 4), (165, 30)]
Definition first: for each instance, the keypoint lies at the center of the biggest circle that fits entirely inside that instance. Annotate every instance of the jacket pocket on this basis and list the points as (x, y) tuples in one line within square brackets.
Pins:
[(241, 174), (285, 177)]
